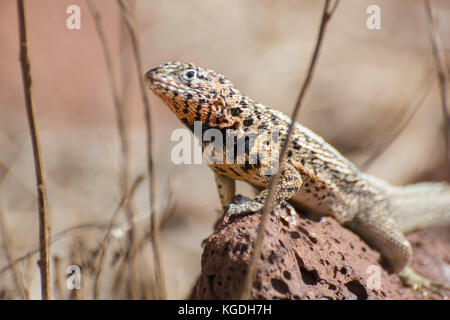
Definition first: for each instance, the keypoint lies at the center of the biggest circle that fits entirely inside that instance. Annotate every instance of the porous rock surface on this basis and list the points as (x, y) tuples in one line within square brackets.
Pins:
[(306, 259)]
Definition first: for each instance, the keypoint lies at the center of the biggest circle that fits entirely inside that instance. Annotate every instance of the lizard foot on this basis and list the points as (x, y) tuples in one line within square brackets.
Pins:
[(249, 206), (414, 280), (287, 215)]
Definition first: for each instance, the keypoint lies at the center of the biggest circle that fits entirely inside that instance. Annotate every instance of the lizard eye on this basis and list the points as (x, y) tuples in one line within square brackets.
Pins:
[(189, 75)]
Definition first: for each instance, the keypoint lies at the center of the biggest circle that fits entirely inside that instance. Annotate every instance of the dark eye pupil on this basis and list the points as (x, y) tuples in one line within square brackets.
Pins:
[(190, 74)]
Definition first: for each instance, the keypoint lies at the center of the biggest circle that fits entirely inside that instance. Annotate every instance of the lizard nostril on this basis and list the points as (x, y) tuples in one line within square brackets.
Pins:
[(149, 73)]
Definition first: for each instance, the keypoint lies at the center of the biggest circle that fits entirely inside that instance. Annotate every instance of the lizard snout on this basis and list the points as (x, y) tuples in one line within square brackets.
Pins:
[(149, 74)]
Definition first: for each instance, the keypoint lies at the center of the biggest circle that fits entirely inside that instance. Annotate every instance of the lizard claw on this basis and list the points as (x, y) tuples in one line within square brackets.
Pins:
[(414, 280), (289, 218)]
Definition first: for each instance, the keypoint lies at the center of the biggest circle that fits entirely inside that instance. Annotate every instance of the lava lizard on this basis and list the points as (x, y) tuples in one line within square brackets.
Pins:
[(314, 176)]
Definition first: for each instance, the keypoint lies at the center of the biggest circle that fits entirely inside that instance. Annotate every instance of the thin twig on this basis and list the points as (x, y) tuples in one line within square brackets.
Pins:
[(442, 74), (125, 84), (120, 110), (5, 171), (44, 224), (123, 97), (125, 57), (57, 280), (58, 236), (167, 213), (379, 149), (76, 259), (159, 275), (6, 243), (326, 15), (104, 243), (121, 124)]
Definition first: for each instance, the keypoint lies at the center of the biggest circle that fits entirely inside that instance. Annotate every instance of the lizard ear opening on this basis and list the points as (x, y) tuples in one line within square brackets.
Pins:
[(223, 118), (221, 104)]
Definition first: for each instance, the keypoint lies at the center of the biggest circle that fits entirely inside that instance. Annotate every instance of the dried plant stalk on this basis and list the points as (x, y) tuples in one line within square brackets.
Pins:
[(327, 13), (6, 244), (121, 125), (104, 244), (159, 275), (442, 74), (404, 117), (44, 224)]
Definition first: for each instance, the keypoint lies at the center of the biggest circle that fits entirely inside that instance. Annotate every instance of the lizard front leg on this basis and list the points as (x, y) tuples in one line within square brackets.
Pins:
[(289, 184), (226, 188)]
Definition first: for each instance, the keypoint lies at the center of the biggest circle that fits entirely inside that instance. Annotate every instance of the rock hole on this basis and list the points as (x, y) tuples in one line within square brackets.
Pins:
[(307, 234), (310, 277), (299, 260), (272, 257), (280, 286), (294, 235), (287, 275), (357, 289)]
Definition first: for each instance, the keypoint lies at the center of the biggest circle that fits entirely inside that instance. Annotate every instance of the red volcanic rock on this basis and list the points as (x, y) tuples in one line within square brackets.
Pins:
[(307, 259)]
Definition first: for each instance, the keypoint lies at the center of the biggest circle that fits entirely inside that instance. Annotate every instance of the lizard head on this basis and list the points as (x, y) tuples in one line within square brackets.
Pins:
[(194, 93)]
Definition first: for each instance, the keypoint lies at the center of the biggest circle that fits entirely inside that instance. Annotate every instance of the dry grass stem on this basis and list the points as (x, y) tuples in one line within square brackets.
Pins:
[(5, 171), (159, 275), (6, 244), (125, 58), (57, 280), (404, 118), (167, 213), (121, 125), (44, 224), (76, 259), (327, 13), (120, 110), (442, 74), (104, 244)]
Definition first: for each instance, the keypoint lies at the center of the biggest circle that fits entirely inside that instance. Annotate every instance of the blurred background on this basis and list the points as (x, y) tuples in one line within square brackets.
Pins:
[(368, 84)]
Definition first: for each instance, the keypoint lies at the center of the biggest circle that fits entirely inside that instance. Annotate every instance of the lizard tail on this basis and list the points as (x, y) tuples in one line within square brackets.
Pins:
[(421, 205)]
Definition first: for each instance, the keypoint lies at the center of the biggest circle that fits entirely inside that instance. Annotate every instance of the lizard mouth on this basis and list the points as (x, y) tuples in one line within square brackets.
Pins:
[(160, 84)]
